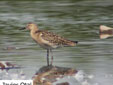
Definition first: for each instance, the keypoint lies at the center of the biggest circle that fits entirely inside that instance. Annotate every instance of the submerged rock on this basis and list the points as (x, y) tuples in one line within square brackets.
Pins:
[(65, 83), (47, 75), (5, 65), (9, 48)]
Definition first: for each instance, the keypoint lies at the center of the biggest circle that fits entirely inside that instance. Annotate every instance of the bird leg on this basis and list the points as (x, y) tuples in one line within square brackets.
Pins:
[(47, 57), (51, 56)]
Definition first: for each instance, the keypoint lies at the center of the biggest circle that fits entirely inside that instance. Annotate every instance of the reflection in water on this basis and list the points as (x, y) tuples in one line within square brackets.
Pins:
[(76, 20)]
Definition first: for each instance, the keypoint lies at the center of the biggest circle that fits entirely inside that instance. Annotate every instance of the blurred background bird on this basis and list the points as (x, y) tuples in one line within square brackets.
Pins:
[(105, 32)]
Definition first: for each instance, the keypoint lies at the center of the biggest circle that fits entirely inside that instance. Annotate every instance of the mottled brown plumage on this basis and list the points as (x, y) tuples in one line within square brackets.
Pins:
[(48, 40), (54, 40)]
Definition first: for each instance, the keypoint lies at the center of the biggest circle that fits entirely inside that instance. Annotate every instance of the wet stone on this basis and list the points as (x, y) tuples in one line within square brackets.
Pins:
[(65, 83), (50, 74), (5, 65)]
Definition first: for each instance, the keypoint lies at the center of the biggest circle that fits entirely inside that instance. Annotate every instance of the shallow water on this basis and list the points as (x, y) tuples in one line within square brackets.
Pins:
[(75, 20)]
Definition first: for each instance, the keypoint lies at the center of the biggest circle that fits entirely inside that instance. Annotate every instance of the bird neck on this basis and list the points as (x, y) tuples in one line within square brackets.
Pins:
[(34, 30)]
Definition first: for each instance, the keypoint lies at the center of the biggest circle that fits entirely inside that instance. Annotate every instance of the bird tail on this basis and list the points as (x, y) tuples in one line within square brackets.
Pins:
[(76, 42), (105, 32), (73, 43)]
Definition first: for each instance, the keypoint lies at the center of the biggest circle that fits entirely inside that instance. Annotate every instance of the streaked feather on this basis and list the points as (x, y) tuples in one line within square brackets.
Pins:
[(55, 39)]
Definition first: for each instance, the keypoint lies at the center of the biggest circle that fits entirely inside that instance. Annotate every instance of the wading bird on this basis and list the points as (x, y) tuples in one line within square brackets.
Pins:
[(105, 32), (48, 40)]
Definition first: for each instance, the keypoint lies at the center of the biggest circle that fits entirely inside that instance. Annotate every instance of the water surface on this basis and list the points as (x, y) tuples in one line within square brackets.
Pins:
[(75, 20)]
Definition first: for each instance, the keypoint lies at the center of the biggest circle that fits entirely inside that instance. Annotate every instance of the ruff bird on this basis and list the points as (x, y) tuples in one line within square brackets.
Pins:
[(48, 40)]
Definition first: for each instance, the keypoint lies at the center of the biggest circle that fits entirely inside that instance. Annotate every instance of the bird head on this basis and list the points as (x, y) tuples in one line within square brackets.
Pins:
[(30, 26)]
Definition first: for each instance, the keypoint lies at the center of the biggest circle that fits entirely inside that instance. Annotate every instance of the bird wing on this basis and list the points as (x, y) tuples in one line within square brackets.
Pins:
[(55, 39)]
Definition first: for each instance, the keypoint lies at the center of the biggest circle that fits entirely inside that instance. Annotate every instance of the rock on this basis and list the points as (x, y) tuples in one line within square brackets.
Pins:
[(50, 74), (5, 65), (2, 66), (9, 48), (65, 83)]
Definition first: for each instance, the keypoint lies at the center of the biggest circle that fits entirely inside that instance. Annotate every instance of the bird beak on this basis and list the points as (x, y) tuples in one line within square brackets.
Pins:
[(22, 28)]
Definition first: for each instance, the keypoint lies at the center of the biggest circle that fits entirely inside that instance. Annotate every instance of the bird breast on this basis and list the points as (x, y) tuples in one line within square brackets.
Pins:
[(43, 43)]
